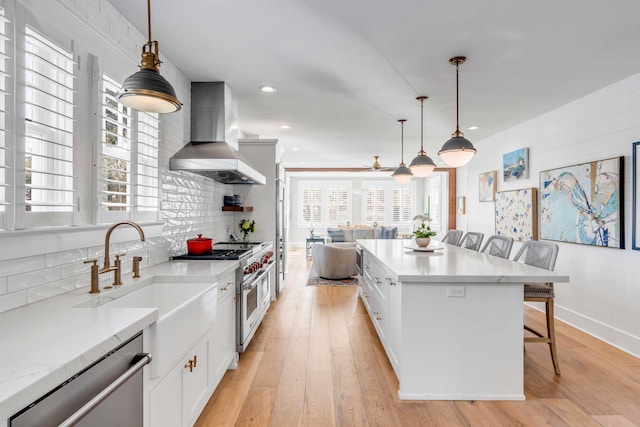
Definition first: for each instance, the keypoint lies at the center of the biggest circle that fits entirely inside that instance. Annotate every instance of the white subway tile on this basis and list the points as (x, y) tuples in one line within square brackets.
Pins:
[(33, 278), (12, 267), (3, 286), (49, 290), (13, 300), (75, 269), (66, 257)]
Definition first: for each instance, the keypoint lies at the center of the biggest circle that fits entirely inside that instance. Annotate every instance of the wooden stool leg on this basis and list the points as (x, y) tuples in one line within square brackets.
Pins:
[(551, 333)]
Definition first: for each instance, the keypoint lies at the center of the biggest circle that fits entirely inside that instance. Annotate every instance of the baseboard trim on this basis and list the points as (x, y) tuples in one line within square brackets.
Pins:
[(612, 336)]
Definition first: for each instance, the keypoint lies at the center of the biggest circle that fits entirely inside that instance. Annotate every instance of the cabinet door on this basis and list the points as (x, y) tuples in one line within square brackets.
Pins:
[(165, 400), (195, 381), (394, 332), (224, 344)]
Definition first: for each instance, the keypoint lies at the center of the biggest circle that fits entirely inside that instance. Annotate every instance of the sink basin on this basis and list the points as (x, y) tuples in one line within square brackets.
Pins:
[(186, 311)]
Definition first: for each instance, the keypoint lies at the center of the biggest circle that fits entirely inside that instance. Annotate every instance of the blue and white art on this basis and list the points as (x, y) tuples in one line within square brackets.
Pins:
[(515, 165), (516, 214), (583, 203)]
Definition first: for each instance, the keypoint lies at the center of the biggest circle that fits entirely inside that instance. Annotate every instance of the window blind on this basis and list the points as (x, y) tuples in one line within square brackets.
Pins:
[(4, 49), (49, 115), (115, 180), (147, 173)]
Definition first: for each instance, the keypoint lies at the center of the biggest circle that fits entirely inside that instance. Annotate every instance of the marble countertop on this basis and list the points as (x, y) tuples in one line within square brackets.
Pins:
[(45, 343), (452, 264)]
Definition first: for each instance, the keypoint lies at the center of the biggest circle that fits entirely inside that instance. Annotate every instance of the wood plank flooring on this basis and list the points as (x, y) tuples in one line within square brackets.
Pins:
[(316, 361)]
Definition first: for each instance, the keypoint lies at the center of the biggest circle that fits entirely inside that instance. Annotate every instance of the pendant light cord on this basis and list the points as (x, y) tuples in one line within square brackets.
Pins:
[(402, 142), (421, 121), (457, 97), (149, 18)]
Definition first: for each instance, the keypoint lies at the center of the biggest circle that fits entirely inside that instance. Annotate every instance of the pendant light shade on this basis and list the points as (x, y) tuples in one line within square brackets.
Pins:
[(457, 151), (422, 165), (402, 174), (147, 90)]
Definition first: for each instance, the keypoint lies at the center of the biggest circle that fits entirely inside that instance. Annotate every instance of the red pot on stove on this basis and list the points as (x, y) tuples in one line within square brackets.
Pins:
[(200, 245)]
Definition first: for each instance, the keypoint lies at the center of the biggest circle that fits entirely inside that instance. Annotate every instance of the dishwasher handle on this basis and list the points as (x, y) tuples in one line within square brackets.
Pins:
[(138, 362)]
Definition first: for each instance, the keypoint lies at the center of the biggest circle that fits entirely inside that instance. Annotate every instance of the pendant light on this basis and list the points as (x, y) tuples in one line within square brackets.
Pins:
[(422, 165), (147, 90), (457, 151), (402, 174)]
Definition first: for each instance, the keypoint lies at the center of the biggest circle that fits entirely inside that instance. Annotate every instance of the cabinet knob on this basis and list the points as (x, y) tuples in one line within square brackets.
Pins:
[(195, 360), (189, 365)]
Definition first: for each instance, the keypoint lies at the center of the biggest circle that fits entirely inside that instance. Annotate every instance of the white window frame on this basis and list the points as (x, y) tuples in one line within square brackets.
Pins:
[(325, 186), (388, 187)]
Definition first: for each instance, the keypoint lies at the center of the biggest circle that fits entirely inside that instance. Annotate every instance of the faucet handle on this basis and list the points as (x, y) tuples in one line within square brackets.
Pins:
[(136, 266), (89, 261), (95, 276)]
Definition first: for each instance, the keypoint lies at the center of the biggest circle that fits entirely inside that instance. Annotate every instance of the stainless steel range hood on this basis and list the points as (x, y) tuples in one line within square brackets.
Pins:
[(212, 125)]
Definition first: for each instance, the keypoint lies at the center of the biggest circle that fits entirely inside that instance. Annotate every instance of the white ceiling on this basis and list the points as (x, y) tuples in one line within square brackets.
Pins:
[(346, 70)]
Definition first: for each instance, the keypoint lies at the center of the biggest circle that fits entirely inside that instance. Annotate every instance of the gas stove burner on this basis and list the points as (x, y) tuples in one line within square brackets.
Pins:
[(217, 254)]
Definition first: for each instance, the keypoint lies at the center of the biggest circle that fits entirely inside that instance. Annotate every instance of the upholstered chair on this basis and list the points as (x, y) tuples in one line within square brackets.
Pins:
[(334, 262)]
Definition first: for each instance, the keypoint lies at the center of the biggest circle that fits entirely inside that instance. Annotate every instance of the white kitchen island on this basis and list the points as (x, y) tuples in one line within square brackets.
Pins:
[(451, 320)]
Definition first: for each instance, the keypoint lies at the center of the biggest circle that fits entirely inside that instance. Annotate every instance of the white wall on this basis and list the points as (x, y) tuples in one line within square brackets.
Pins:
[(603, 297)]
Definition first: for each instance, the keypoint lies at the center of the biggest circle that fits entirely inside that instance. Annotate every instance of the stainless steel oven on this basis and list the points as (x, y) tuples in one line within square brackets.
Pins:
[(253, 292)]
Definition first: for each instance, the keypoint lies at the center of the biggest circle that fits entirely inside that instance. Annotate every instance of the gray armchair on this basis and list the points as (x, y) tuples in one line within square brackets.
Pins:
[(334, 262)]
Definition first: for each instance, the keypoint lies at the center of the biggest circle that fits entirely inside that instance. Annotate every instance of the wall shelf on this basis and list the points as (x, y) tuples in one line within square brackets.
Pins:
[(237, 208)]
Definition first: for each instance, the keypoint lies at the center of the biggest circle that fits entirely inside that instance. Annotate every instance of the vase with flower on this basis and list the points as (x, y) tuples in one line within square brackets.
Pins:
[(423, 235), (247, 226)]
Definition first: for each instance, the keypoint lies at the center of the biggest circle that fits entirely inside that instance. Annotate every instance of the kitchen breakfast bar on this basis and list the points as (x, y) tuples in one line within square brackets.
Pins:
[(450, 320)]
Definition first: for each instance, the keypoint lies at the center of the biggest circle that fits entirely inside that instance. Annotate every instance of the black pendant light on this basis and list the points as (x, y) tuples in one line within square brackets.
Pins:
[(422, 165), (402, 174), (147, 90), (457, 151)]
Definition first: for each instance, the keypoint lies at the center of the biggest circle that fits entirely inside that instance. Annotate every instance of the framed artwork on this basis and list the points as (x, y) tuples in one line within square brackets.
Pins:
[(583, 203), (635, 221), (517, 214), (487, 186), (460, 205), (515, 165)]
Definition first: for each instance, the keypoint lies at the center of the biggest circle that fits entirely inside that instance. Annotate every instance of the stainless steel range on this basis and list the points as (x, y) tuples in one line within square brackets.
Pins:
[(253, 288), (253, 283)]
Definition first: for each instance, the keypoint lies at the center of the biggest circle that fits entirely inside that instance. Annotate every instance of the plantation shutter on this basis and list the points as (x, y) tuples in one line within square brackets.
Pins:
[(4, 58), (115, 180), (147, 173), (49, 113)]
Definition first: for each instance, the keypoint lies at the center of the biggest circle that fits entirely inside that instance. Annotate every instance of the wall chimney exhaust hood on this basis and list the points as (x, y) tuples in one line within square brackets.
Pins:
[(212, 127)]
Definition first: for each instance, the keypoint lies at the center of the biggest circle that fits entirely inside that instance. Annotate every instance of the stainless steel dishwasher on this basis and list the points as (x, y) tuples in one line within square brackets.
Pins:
[(107, 393)]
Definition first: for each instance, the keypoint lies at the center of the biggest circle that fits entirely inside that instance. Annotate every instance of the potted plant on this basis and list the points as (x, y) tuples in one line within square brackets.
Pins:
[(423, 235)]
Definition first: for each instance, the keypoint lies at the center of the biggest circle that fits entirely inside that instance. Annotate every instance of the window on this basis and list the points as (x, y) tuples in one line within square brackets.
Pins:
[(49, 115), (129, 182), (388, 203), (433, 201), (148, 176), (4, 58), (115, 182), (324, 202)]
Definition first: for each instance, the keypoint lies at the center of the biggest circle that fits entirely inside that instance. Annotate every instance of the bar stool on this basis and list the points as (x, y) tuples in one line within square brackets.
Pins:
[(452, 237), (543, 255), (472, 240), (499, 246)]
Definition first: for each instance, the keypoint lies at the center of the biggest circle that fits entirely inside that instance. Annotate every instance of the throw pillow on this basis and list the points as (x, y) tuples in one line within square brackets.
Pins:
[(388, 232), (336, 234)]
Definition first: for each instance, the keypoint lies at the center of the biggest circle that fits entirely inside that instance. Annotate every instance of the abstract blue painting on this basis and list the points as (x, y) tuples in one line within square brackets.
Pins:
[(516, 214), (583, 203), (515, 165)]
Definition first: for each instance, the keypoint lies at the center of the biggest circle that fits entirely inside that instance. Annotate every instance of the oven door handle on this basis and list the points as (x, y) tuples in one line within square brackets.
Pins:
[(254, 282), (139, 362)]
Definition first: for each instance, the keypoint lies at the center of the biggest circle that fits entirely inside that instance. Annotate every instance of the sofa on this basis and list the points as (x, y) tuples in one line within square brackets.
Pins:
[(351, 234)]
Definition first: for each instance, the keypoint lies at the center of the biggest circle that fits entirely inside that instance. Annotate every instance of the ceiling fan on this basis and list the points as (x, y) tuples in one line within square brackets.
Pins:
[(377, 167)]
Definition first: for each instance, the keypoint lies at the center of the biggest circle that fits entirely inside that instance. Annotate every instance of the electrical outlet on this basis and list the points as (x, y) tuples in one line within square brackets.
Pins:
[(455, 291)]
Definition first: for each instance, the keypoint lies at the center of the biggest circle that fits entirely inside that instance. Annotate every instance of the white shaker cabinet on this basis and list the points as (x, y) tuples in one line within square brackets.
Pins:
[(224, 355), (180, 396)]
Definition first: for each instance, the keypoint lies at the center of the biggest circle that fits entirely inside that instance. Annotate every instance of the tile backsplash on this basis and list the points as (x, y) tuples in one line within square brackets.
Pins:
[(191, 204)]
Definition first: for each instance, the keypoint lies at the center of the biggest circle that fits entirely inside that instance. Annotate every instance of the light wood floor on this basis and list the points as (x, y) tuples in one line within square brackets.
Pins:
[(316, 361)]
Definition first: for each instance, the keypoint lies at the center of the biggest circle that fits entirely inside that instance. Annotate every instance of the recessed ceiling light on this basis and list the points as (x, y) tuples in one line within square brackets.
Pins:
[(473, 127), (268, 89), (285, 127), (295, 149)]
